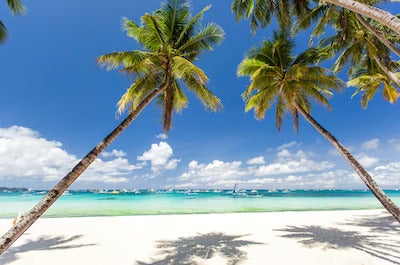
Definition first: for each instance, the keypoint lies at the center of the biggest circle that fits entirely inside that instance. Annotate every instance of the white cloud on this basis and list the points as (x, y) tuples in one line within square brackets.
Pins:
[(289, 163), (212, 172), (261, 180), (372, 144), (256, 161), (24, 154), (366, 161), (114, 153), (162, 136), (395, 144), (287, 145), (387, 174), (159, 156)]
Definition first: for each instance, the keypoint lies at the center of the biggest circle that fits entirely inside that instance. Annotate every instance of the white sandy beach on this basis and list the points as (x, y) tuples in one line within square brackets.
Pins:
[(327, 237)]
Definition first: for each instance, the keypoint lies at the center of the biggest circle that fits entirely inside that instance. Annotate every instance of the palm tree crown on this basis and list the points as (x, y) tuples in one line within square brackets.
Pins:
[(354, 43), (277, 76), (172, 41)]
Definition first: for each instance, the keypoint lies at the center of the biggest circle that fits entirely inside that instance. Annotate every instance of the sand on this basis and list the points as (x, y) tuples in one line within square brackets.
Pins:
[(327, 237)]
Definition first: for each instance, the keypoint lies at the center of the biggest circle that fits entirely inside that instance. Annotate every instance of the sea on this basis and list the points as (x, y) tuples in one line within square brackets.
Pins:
[(162, 202)]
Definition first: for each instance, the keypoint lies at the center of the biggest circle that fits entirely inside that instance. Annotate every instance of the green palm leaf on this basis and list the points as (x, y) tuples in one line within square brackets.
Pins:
[(16, 6)]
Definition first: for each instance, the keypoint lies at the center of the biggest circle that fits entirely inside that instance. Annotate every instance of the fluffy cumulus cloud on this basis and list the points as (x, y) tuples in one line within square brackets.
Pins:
[(387, 174), (25, 154), (290, 163), (286, 171), (160, 157), (256, 161), (366, 161), (215, 174), (114, 153), (372, 144)]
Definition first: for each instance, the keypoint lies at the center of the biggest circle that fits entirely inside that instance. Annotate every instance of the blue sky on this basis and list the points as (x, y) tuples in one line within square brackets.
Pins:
[(57, 104)]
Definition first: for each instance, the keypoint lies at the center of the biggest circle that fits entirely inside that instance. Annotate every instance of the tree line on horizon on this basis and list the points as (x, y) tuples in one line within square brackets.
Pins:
[(364, 40)]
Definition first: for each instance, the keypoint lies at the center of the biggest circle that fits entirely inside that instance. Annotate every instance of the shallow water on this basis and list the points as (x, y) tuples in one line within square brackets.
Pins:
[(90, 203)]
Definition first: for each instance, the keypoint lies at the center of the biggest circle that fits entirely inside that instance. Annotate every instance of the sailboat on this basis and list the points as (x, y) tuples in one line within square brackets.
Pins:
[(236, 192)]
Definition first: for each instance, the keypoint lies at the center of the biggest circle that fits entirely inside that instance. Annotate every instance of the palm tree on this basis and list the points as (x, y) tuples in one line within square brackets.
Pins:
[(16, 8), (276, 76), (172, 39)]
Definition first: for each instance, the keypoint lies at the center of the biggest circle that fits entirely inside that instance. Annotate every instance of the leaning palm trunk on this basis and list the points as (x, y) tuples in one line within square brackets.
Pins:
[(377, 34), (15, 232), (366, 178), (377, 14)]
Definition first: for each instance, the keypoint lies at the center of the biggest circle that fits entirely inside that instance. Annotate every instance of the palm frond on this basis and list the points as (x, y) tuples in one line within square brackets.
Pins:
[(369, 84), (307, 18), (312, 56), (137, 92), (180, 99), (182, 67), (242, 9), (131, 28), (3, 32), (207, 98), (188, 30), (151, 25), (280, 111), (116, 60), (283, 13), (205, 39), (16, 6), (248, 66), (174, 15)]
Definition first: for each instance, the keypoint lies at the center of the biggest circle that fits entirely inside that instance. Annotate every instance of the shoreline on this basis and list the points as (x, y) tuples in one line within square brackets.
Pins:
[(311, 237), (205, 213)]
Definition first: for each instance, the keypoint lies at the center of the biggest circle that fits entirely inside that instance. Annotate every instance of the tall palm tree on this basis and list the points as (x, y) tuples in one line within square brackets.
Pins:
[(293, 83), (16, 8), (172, 39)]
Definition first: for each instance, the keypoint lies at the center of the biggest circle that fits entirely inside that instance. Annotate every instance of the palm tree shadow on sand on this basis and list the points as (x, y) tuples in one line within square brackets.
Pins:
[(380, 224), (185, 250), (379, 245), (42, 243)]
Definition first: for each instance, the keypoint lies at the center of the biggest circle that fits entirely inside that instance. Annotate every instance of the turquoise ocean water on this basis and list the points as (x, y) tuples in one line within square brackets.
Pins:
[(144, 202)]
